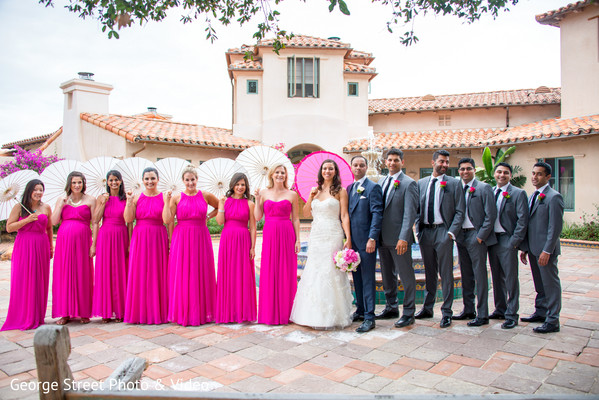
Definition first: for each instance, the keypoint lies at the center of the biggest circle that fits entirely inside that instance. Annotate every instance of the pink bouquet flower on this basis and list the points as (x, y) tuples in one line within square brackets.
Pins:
[(346, 260)]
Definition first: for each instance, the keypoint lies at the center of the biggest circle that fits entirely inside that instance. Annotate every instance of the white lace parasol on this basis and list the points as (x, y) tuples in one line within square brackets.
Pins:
[(95, 171), (55, 179), (258, 160), (12, 188), (215, 175), (170, 170), (131, 169)]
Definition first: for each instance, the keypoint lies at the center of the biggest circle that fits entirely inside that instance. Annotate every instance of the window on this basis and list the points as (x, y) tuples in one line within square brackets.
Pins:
[(352, 89), (303, 75), (444, 120), (252, 87), (452, 171), (562, 178)]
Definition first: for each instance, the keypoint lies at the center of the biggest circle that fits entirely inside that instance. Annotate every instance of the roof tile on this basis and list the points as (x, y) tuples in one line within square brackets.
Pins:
[(554, 17)]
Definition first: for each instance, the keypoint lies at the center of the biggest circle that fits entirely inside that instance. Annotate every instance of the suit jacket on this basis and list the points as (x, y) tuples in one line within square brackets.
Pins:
[(365, 213), (452, 204), (513, 215), (400, 211), (545, 224), (482, 211)]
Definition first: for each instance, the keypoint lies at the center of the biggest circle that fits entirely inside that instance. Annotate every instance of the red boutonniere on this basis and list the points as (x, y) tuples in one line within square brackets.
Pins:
[(443, 184), (472, 189), (542, 197), (506, 195), (396, 183)]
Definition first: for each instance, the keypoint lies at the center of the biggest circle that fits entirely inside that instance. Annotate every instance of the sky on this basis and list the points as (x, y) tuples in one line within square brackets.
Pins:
[(173, 67)]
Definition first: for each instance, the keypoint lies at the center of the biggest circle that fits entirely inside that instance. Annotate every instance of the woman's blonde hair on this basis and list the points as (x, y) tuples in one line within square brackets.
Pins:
[(271, 172), (190, 169)]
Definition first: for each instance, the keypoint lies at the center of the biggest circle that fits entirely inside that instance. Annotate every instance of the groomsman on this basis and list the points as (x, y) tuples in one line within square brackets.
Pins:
[(476, 234), (365, 213), (510, 229), (400, 199), (546, 220), (440, 218)]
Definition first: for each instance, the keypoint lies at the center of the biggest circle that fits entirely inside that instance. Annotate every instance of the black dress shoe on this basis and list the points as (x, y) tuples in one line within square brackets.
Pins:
[(534, 317), (366, 326), (509, 324), (445, 322), (496, 315), (464, 315), (479, 322), (423, 314), (388, 313), (357, 317), (547, 328), (404, 321)]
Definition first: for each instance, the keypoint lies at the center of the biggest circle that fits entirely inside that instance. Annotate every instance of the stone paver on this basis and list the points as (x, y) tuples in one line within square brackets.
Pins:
[(421, 359)]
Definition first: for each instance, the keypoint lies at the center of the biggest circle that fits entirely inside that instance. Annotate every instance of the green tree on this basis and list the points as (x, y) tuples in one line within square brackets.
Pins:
[(486, 173), (115, 14)]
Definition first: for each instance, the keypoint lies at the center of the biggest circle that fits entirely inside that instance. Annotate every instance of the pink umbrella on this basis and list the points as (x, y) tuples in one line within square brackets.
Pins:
[(307, 172)]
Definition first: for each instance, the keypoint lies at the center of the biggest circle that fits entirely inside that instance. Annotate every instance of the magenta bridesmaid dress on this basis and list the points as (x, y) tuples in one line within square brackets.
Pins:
[(147, 288), (278, 267), (30, 273), (191, 265), (73, 276), (112, 248), (236, 287)]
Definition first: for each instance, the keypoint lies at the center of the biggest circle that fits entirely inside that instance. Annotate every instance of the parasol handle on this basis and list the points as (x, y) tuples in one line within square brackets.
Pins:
[(26, 209)]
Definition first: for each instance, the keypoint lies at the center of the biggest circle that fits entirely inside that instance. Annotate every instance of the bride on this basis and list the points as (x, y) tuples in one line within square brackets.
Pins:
[(323, 299)]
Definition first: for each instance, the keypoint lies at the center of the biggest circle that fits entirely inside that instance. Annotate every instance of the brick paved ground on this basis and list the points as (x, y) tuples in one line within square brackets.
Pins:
[(419, 359)]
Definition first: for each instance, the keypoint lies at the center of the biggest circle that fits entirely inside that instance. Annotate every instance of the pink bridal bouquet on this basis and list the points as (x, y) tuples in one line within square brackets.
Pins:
[(347, 260)]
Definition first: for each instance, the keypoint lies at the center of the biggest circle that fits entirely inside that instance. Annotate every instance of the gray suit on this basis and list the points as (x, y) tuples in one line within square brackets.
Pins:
[(436, 245), (400, 209), (503, 256), (544, 229), (482, 212)]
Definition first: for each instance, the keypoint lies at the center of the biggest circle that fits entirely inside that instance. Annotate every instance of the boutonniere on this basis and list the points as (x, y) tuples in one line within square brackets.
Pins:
[(396, 183), (360, 190), (443, 185), (542, 197), (506, 195), (472, 189)]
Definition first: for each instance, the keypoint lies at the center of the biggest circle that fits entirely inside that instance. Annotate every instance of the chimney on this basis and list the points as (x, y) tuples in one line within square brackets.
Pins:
[(152, 110), (82, 94)]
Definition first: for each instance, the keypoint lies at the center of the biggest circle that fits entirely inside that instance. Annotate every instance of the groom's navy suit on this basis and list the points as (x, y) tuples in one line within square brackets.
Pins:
[(365, 216)]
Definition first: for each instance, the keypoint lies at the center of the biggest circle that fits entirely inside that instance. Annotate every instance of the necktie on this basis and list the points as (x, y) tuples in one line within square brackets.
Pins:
[(466, 188), (431, 203), (534, 198), (497, 193), (387, 184)]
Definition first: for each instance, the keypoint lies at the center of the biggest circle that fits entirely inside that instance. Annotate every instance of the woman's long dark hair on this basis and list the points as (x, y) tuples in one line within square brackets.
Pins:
[(116, 174), (336, 185), (26, 201), (236, 178), (70, 181)]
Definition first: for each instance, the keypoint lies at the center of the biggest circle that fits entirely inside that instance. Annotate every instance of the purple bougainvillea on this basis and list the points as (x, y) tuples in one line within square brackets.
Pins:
[(24, 159)]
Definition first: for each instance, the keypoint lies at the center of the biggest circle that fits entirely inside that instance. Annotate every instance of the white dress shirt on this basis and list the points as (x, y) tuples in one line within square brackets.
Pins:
[(389, 180), (467, 223), (437, 203), (498, 228)]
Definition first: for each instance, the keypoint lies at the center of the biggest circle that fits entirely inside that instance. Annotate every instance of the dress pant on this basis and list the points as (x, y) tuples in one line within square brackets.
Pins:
[(393, 264), (473, 267), (548, 302), (503, 260), (436, 247), (365, 285)]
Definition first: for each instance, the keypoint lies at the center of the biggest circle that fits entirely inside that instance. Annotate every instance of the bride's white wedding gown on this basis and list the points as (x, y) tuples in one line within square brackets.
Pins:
[(323, 299)]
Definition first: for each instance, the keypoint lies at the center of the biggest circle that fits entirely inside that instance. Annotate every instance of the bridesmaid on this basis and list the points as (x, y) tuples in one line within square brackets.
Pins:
[(191, 261), (73, 279), (147, 289), (112, 251), (280, 245), (236, 288), (30, 263)]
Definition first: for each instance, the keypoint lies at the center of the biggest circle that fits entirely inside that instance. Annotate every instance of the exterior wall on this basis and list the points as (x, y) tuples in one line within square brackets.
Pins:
[(462, 119), (194, 154), (100, 142), (55, 148), (580, 62), (247, 110)]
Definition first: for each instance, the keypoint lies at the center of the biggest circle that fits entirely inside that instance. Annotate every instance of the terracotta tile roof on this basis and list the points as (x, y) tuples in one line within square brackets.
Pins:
[(554, 17), (154, 115), (135, 129), (51, 139), (241, 50), (307, 41), (249, 65), (24, 142), (467, 100), (362, 55), (464, 138), (548, 129), (358, 68)]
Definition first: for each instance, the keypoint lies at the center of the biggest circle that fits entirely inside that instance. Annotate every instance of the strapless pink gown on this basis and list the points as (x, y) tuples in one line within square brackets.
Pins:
[(236, 287), (112, 248), (29, 276), (278, 267), (191, 265), (147, 288), (73, 277)]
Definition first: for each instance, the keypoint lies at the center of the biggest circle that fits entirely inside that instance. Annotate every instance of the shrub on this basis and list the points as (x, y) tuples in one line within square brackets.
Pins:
[(24, 159), (588, 229)]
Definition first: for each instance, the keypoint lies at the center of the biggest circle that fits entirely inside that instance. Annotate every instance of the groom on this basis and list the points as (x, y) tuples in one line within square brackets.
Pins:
[(365, 216)]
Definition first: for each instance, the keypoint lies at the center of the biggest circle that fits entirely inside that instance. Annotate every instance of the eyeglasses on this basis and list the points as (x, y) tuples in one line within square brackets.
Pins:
[(465, 169)]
